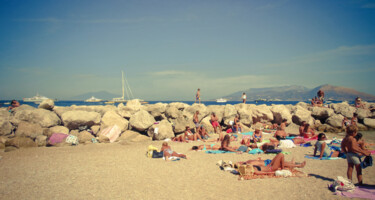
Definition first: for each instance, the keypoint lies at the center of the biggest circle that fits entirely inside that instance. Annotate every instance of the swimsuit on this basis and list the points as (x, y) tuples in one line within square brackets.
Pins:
[(267, 162), (168, 151)]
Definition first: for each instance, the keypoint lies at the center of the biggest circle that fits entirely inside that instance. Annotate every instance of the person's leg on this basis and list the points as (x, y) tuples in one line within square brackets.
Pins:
[(335, 154), (178, 155), (358, 169), (277, 162), (350, 171)]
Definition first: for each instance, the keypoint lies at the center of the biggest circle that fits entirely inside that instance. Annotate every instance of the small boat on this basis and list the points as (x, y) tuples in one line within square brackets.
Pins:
[(93, 99), (221, 100), (36, 99)]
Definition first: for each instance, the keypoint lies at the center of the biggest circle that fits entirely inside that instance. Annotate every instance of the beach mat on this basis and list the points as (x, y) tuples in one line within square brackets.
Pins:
[(363, 192), (247, 133), (218, 151), (323, 158)]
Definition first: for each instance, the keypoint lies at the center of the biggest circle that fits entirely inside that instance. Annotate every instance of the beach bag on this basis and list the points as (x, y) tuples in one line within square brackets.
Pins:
[(72, 139), (150, 150), (246, 170), (57, 138), (342, 184), (367, 162), (112, 133), (156, 154)]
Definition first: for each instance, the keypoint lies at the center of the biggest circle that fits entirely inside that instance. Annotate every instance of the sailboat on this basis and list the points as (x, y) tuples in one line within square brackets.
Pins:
[(128, 91)]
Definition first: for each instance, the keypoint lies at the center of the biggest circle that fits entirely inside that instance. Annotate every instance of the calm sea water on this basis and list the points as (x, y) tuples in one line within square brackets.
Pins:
[(3, 103)]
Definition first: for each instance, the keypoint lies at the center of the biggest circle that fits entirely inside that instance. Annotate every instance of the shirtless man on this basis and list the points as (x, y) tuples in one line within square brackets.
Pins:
[(350, 146), (214, 122), (196, 120), (283, 124), (198, 96), (13, 104)]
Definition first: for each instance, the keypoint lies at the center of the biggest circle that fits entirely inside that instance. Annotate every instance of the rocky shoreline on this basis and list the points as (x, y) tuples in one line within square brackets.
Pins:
[(26, 126)]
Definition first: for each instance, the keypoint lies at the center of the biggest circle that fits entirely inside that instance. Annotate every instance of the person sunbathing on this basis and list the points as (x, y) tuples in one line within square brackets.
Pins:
[(202, 132), (180, 138), (323, 148), (301, 128), (168, 152), (257, 136), (206, 147), (225, 145), (283, 124), (280, 134), (361, 142), (267, 166), (309, 132), (192, 136)]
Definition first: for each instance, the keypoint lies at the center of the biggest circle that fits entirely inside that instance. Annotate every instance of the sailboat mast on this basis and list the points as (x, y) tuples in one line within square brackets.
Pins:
[(123, 83)]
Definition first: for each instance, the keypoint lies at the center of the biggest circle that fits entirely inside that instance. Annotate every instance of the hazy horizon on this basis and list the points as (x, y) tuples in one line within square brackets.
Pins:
[(169, 48)]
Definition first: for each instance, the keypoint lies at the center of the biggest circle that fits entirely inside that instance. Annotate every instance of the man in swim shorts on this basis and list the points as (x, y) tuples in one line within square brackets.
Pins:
[(198, 96), (214, 122)]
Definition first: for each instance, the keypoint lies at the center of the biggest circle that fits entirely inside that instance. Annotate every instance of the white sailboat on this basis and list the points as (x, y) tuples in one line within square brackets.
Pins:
[(93, 99), (128, 92)]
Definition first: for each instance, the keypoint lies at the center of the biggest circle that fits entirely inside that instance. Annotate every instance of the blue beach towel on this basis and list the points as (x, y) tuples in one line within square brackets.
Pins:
[(256, 151), (323, 158), (247, 133), (218, 151)]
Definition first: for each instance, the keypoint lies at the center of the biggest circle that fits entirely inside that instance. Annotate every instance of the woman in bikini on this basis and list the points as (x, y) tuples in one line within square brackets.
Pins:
[(192, 136), (168, 152), (309, 132), (225, 145), (206, 147), (323, 148), (257, 136)]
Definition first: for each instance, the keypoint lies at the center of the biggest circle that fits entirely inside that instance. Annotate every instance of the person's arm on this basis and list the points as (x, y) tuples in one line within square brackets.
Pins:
[(356, 149), (322, 150)]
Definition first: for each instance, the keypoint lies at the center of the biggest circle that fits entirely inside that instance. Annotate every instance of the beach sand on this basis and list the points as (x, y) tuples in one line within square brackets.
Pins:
[(122, 171)]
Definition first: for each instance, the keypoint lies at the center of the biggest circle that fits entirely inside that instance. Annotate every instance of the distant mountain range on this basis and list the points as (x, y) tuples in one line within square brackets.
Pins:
[(300, 93), (100, 95)]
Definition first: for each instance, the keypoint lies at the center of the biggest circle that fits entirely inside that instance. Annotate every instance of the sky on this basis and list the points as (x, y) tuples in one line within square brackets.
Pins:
[(169, 48)]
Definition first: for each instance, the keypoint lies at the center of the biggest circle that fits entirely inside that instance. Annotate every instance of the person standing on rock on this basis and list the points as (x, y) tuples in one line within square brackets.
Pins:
[(198, 96), (243, 97), (215, 123), (321, 96)]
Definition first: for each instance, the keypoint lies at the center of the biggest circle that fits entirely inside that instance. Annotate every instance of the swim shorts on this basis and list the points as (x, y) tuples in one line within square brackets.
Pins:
[(353, 158), (215, 124)]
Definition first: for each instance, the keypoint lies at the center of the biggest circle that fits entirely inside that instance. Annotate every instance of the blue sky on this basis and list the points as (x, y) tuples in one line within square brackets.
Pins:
[(169, 48)]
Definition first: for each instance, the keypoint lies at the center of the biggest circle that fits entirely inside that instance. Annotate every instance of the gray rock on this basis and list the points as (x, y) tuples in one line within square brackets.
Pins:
[(335, 120), (301, 114), (42, 117), (218, 110), (180, 124), (75, 119), (85, 136), (321, 113), (369, 122), (190, 111), (156, 110), (261, 113), (21, 142), (245, 114), (111, 118), (95, 129), (30, 130), (363, 113), (173, 112), (280, 113), (141, 120), (56, 129), (344, 109), (207, 124), (132, 106), (164, 130), (41, 140), (47, 104), (229, 113)]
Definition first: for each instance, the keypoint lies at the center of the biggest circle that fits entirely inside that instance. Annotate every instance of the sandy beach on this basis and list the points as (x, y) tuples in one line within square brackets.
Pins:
[(122, 171)]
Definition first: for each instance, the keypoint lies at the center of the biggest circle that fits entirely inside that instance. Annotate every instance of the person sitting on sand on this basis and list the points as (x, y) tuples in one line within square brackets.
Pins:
[(206, 147), (168, 152), (257, 136), (283, 124), (215, 123), (225, 145), (345, 122), (202, 132), (280, 134), (13, 104), (192, 136), (236, 125), (267, 166), (350, 146), (361, 142), (309, 132), (323, 148)]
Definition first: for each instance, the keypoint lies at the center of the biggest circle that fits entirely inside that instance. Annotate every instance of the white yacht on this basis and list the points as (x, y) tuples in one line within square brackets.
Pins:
[(93, 99), (221, 100), (36, 99)]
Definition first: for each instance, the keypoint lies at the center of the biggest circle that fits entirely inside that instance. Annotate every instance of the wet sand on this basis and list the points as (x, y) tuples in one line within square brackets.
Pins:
[(122, 171)]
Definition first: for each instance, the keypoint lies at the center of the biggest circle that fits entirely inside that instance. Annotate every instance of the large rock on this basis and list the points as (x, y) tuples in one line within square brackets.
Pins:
[(261, 113), (111, 118), (280, 113), (75, 119), (178, 105), (363, 113), (303, 105), (21, 142), (56, 129), (44, 118), (41, 140), (141, 120), (85, 136), (27, 129), (218, 110), (321, 113), (47, 104), (229, 113), (344, 109), (190, 111), (164, 130), (172, 112), (5, 126), (156, 110), (205, 122), (180, 124), (132, 106), (369, 122), (335, 120), (301, 114), (245, 113)]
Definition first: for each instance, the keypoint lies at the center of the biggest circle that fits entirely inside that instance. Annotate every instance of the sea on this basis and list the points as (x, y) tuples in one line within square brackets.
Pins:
[(67, 103)]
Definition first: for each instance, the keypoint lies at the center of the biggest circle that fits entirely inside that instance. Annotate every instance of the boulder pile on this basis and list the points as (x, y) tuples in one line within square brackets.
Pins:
[(26, 126)]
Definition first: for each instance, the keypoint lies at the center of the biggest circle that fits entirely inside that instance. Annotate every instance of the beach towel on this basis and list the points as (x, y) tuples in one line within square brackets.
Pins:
[(286, 144), (247, 133), (255, 151), (323, 158), (363, 192), (57, 138), (281, 174), (112, 133), (218, 151)]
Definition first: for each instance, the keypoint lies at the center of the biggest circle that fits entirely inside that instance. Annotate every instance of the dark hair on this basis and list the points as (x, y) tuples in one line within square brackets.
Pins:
[(194, 147), (320, 136), (358, 136), (355, 115), (351, 129), (306, 127), (226, 139), (13, 101), (284, 120)]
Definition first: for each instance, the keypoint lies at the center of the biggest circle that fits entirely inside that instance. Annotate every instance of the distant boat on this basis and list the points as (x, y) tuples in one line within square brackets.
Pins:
[(93, 99), (221, 100), (36, 99), (120, 99), (260, 100)]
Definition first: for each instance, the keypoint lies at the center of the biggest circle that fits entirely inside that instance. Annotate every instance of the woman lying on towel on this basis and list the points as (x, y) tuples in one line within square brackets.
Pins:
[(309, 132), (323, 148), (267, 166), (206, 147), (168, 152)]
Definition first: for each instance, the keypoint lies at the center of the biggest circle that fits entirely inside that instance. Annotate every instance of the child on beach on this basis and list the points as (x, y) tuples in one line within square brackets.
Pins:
[(345, 122), (353, 152), (169, 153)]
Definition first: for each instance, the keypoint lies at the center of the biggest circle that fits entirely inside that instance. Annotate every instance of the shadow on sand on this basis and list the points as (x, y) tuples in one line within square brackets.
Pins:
[(321, 177)]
